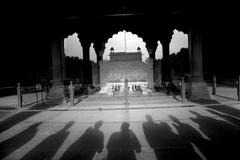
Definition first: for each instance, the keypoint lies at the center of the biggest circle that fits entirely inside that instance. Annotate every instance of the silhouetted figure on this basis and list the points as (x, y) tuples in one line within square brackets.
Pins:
[(192, 136), (224, 109), (47, 148), (13, 143), (160, 138), (224, 137), (85, 148), (166, 144), (122, 145), (15, 119), (126, 92), (227, 117), (86, 87), (170, 87), (133, 88), (163, 85), (152, 133)]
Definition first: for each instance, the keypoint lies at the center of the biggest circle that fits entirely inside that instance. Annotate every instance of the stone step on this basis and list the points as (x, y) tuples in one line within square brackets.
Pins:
[(120, 98), (131, 101), (97, 94)]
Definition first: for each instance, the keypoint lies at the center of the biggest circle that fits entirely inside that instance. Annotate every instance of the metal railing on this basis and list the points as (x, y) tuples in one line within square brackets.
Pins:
[(21, 96), (233, 83), (29, 95)]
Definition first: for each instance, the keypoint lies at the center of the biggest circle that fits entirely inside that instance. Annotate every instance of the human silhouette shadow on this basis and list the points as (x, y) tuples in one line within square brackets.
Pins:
[(48, 147), (224, 136), (12, 144), (85, 148), (219, 107), (15, 119), (123, 145), (192, 136), (229, 118), (166, 144)]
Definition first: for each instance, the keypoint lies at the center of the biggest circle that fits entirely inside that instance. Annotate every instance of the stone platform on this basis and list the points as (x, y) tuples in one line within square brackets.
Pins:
[(108, 88)]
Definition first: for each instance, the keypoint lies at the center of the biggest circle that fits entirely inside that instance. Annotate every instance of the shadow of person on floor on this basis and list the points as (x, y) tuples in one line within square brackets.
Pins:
[(85, 148), (49, 146), (230, 118), (15, 119), (13, 143), (224, 136), (216, 105), (123, 145), (166, 144), (152, 133), (189, 134)]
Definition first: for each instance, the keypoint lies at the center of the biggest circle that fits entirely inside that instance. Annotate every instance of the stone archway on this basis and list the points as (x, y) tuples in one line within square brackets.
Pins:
[(126, 41)]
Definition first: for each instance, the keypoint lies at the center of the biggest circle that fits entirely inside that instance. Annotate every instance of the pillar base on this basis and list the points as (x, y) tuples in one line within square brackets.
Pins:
[(198, 89), (57, 90)]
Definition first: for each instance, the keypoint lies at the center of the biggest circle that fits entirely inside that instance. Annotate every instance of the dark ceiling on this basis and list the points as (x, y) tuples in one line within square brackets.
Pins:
[(50, 11), (26, 27)]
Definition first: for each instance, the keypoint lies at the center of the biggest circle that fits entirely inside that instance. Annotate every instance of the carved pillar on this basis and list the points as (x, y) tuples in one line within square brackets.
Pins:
[(87, 66), (58, 66), (198, 87)]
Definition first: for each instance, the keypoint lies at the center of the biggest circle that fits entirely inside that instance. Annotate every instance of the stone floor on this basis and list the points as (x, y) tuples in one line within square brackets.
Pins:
[(158, 131)]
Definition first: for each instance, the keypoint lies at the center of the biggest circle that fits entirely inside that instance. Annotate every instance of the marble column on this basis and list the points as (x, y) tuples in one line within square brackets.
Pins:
[(198, 87), (58, 66)]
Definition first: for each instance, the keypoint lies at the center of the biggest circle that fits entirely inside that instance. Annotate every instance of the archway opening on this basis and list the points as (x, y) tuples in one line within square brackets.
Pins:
[(125, 41), (158, 53), (126, 58), (179, 55), (74, 58)]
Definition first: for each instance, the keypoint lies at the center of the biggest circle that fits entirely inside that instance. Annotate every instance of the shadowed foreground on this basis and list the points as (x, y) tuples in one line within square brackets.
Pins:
[(188, 133)]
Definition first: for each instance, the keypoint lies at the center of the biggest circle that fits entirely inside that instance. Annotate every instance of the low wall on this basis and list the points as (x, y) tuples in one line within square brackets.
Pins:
[(118, 71)]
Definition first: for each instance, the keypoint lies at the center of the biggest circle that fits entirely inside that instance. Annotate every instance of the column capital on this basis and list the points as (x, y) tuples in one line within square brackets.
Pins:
[(166, 38), (151, 48), (99, 46), (99, 49), (85, 43)]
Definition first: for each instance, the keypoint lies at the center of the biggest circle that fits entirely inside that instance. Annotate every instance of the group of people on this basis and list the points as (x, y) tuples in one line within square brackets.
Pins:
[(136, 88), (116, 88)]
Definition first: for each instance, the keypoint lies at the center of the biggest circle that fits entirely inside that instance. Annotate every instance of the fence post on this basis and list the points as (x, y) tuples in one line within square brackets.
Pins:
[(19, 95), (36, 91), (71, 90), (214, 85), (126, 92), (183, 90), (238, 88), (42, 95), (47, 89)]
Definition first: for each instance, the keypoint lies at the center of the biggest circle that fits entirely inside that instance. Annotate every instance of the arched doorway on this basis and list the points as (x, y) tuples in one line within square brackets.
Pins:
[(126, 58)]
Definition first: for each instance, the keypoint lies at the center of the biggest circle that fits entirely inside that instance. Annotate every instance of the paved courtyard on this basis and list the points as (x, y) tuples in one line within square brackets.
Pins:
[(163, 131)]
